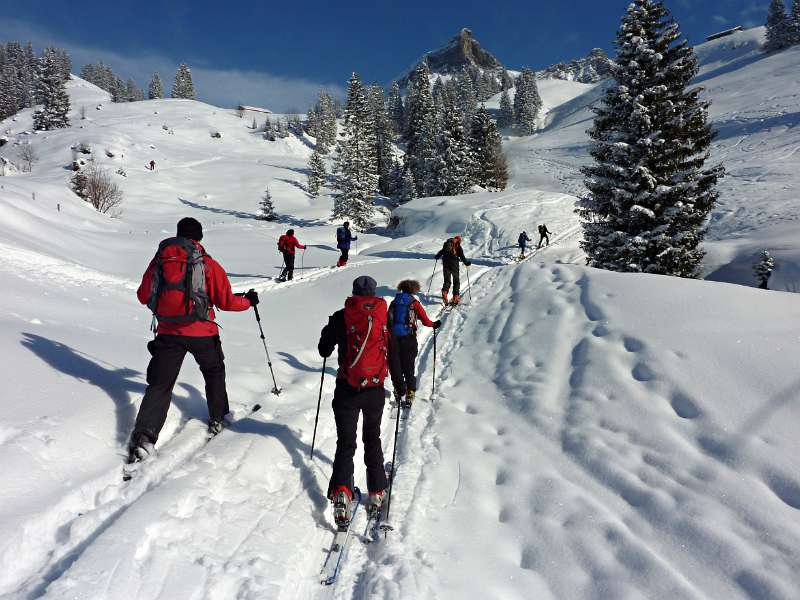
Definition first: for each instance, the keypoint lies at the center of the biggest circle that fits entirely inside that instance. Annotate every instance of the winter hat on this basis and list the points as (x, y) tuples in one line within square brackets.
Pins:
[(290, 232), (347, 223), (190, 228), (364, 286)]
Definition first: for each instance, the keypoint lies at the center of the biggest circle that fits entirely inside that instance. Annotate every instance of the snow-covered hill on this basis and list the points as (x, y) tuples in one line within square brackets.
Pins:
[(592, 435)]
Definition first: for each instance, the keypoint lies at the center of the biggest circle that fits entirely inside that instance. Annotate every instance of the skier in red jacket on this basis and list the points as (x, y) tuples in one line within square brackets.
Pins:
[(185, 324), (287, 244)]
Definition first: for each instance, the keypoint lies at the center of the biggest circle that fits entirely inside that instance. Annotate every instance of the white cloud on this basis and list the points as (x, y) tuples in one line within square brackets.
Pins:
[(216, 86), (720, 20)]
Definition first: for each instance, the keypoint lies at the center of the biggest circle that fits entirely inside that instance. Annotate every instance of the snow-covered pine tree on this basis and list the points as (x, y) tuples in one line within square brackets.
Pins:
[(763, 268), (356, 176), (183, 86), (132, 91), (266, 207), (55, 101), (9, 100), (650, 191), (408, 189), (506, 81), (316, 173), (488, 161), (466, 101), (155, 90), (778, 27), (527, 103), (27, 72), (454, 167), (421, 133), (794, 24), (505, 116), (384, 153), (396, 108)]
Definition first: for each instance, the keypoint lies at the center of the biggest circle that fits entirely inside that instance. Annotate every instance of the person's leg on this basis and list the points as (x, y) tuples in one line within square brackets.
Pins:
[(167, 357), (371, 402), (547, 239), (447, 277), (289, 265), (456, 281), (408, 354), (345, 412), (207, 351), (396, 366)]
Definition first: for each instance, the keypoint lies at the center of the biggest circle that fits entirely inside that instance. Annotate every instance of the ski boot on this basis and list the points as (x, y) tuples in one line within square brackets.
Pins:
[(140, 447), (214, 427), (456, 300), (444, 297), (397, 399), (342, 498), (375, 502)]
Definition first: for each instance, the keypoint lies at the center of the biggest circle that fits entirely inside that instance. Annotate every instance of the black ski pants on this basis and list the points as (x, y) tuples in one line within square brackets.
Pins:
[(288, 266), (543, 237), (402, 358), (348, 402), (451, 272), (168, 352), (345, 255)]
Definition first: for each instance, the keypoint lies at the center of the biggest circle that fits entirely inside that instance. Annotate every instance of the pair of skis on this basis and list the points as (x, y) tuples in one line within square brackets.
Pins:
[(131, 470)]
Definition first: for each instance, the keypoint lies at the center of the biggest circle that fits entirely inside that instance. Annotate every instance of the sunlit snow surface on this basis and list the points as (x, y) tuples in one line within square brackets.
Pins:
[(592, 435)]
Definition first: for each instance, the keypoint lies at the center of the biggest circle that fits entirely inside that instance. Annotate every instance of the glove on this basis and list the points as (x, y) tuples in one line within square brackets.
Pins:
[(437, 324), (252, 295), (467, 263)]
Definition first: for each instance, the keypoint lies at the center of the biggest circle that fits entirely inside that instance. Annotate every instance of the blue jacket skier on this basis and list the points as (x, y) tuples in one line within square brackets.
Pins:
[(522, 241), (343, 239)]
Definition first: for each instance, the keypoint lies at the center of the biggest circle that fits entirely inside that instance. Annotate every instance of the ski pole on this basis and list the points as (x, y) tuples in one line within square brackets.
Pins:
[(275, 390), (302, 262), (319, 401), (469, 287), (385, 527), (433, 387), (430, 281)]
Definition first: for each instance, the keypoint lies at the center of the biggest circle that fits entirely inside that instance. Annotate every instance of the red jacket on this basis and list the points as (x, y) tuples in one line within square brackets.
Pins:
[(219, 295), (287, 243), (421, 314)]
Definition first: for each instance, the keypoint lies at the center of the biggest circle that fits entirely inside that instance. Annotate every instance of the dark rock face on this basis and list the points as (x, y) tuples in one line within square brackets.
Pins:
[(461, 51)]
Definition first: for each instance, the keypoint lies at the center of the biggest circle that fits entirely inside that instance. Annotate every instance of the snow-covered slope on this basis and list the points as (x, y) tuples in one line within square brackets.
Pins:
[(592, 435)]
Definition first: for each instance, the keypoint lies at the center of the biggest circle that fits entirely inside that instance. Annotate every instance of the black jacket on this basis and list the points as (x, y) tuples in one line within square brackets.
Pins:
[(334, 334), (450, 259)]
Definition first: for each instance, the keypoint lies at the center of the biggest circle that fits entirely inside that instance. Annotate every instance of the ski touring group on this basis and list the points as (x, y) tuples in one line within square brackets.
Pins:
[(182, 285)]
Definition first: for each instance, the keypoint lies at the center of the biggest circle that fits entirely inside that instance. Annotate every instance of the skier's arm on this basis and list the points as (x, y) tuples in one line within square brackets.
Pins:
[(219, 289), (439, 254), (143, 293), (421, 314), (462, 257), (331, 334)]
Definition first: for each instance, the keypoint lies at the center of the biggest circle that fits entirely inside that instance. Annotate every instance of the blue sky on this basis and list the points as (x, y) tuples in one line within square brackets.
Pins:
[(278, 54)]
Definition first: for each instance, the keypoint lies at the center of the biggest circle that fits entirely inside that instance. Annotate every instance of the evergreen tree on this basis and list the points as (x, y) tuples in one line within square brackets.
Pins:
[(527, 103), (155, 90), (396, 108), (266, 207), (27, 73), (183, 86), (454, 165), (356, 176), (384, 154), (467, 101), (778, 27), (132, 92), (9, 99), (55, 101), (794, 23), (505, 116), (408, 189), (650, 192), (506, 81), (316, 173), (421, 133), (763, 269), (488, 160)]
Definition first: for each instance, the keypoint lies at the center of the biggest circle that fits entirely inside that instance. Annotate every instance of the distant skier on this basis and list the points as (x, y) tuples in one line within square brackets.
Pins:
[(343, 239), (152, 165), (359, 330), (182, 304), (450, 254), (522, 241), (404, 311), (544, 235), (287, 244)]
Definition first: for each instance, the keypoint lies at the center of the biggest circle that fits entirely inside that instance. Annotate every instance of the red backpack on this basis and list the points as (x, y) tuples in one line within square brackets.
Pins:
[(178, 291), (365, 319), (282, 242)]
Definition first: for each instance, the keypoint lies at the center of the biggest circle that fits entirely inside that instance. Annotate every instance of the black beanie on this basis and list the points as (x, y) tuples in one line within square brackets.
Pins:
[(364, 286), (190, 228)]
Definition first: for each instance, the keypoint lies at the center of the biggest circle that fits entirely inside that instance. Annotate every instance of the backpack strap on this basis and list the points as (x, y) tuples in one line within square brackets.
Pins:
[(364, 345)]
